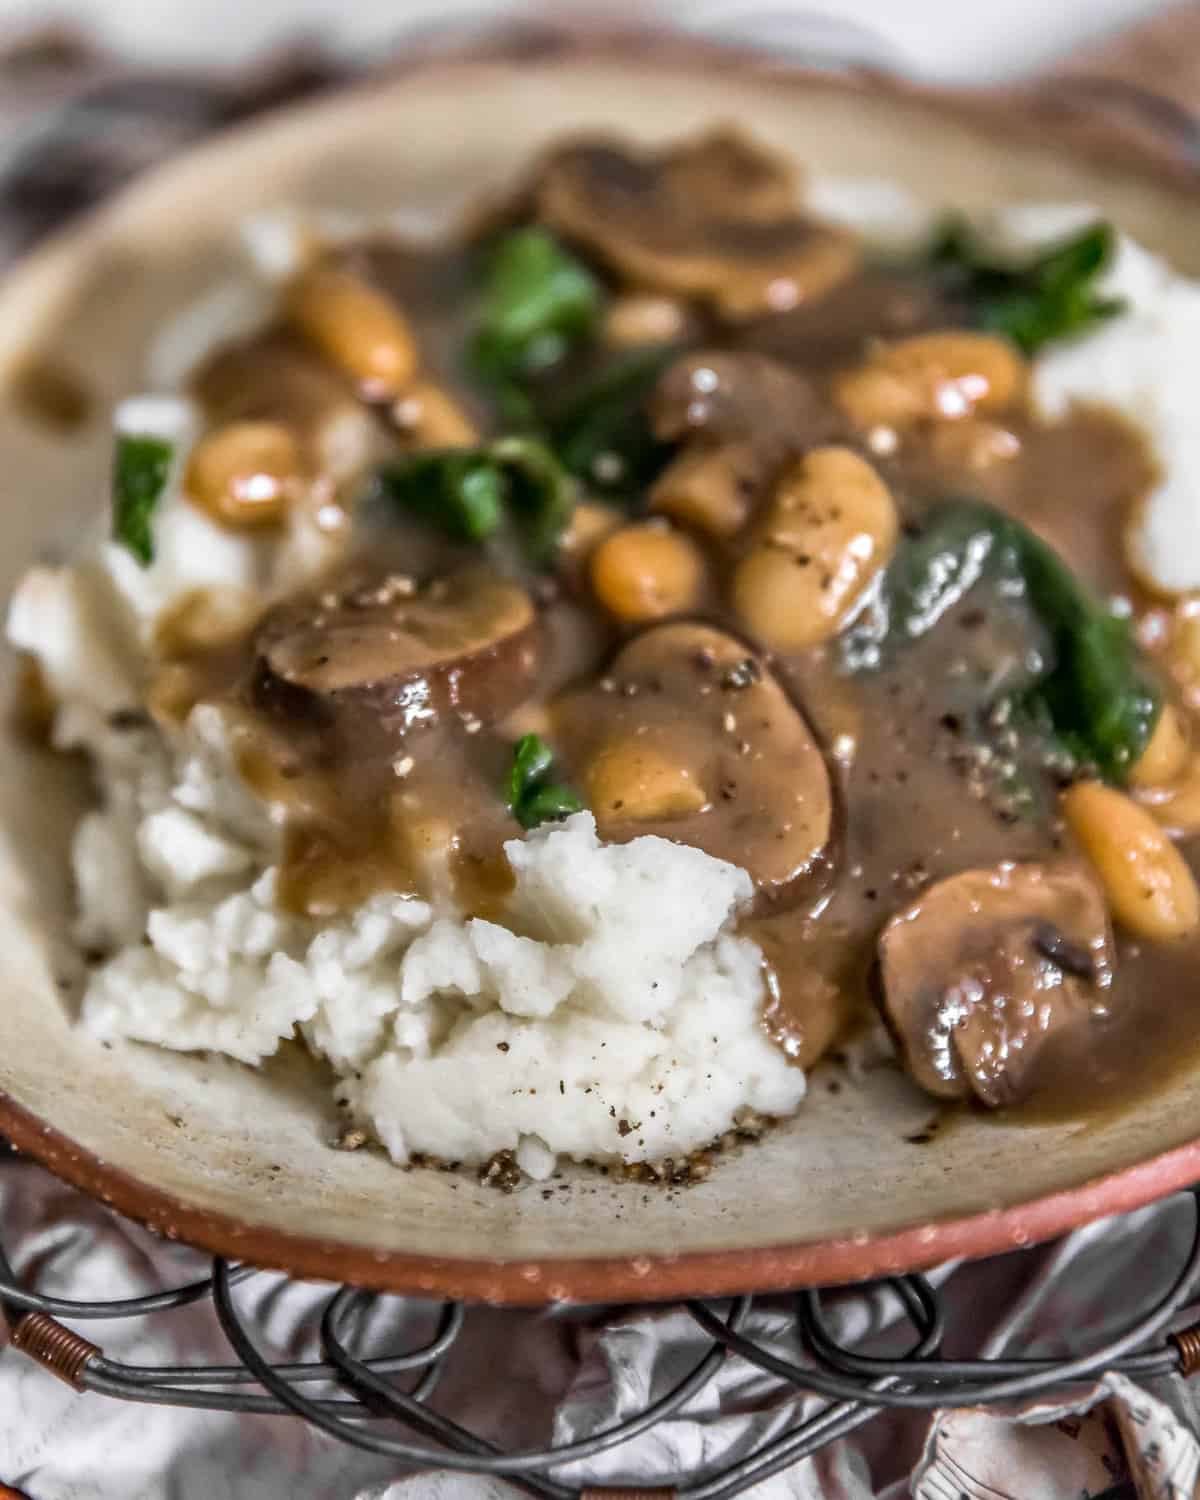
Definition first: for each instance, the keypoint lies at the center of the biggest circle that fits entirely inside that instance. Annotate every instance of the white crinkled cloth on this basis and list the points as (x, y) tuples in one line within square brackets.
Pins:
[(517, 1377)]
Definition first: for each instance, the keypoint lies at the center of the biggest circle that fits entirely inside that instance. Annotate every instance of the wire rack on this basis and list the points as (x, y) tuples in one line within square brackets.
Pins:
[(382, 1401)]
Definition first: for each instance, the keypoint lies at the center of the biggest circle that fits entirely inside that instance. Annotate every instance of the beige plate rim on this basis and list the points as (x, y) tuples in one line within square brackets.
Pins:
[(659, 1277)]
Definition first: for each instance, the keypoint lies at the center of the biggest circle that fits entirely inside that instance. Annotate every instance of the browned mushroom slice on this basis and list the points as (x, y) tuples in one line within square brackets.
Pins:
[(690, 735), (378, 656), (986, 968), (746, 415), (722, 167), (714, 219)]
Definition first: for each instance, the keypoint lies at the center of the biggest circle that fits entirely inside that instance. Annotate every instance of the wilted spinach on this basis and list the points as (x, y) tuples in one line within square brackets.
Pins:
[(532, 797), (469, 492), (1095, 694), (600, 428), (537, 301), (1050, 295), (141, 467)]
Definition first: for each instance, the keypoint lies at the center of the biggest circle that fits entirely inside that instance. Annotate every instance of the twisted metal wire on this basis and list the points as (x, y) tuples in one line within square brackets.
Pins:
[(381, 1402)]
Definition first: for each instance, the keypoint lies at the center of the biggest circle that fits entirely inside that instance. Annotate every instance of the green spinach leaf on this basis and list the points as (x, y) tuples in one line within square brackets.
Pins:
[(537, 302), (1099, 694), (541, 494), (600, 428), (1095, 693), (468, 492), (459, 490), (532, 797), (1051, 295), (141, 468)]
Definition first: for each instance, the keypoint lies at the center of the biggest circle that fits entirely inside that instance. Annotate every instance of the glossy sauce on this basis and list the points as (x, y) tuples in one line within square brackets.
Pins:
[(907, 803)]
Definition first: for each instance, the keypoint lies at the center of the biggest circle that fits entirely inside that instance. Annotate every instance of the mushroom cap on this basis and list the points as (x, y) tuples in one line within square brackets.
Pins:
[(714, 219), (689, 695), (380, 655), (984, 969)]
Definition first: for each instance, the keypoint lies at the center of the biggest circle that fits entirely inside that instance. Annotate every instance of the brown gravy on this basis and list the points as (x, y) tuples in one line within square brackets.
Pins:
[(869, 777)]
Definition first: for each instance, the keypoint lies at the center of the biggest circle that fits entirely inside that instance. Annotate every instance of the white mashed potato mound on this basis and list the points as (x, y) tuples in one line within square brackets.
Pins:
[(892, 220)]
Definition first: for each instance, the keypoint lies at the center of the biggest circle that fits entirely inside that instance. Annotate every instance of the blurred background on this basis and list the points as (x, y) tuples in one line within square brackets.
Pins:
[(945, 40)]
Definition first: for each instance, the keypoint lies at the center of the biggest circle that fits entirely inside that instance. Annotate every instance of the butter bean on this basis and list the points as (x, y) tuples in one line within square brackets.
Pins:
[(830, 527), (431, 417), (356, 327), (1166, 754), (590, 523), (632, 779), (709, 487), (643, 318), (1148, 884), (245, 475), (931, 376), (1176, 806), (647, 572), (1183, 648)]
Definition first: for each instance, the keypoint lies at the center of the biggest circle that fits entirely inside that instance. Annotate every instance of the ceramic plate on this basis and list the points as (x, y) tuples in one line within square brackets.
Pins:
[(239, 1162)]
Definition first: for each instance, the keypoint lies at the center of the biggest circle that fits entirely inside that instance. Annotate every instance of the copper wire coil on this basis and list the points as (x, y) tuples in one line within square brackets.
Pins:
[(62, 1352), (1187, 1341)]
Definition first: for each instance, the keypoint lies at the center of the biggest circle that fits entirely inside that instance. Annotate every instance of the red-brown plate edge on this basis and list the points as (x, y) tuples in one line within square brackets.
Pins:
[(642, 1278)]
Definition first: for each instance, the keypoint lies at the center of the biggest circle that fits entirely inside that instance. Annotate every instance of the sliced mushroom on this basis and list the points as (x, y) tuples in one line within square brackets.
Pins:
[(986, 968), (380, 655), (742, 416), (714, 219), (692, 736), (722, 167)]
